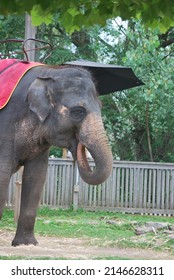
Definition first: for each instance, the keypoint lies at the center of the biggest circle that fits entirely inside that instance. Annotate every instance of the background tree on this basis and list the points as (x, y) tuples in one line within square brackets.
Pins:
[(11, 27), (140, 120), (74, 14)]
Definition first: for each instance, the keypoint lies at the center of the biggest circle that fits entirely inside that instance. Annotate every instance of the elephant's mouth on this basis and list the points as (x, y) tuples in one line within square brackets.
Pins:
[(73, 148), (78, 151), (82, 158)]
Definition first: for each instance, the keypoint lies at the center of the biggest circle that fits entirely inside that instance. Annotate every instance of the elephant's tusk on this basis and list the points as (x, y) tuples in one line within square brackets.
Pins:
[(81, 158)]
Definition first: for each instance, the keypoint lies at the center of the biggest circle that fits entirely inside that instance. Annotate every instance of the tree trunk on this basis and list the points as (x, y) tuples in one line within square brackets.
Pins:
[(148, 132)]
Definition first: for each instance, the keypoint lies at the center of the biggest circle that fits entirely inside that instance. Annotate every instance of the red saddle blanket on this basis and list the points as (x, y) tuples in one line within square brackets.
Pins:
[(11, 72)]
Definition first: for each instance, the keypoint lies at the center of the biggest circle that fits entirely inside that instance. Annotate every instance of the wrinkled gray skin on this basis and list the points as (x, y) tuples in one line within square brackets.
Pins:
[(49, 107)]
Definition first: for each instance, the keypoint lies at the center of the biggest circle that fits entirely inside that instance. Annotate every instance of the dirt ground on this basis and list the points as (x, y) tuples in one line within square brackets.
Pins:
[(73, 248)]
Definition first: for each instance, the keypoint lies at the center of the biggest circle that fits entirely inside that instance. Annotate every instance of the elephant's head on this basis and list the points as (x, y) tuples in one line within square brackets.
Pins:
[(66, 104)]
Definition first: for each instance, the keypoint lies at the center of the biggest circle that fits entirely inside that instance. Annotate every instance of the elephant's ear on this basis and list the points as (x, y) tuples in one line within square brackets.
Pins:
[(39, 97)]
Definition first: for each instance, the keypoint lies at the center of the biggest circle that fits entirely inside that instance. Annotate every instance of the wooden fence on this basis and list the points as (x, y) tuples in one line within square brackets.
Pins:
[(133, 187)]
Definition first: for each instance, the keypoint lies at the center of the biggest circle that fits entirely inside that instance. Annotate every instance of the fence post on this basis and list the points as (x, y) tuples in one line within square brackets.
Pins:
[(18, 196), (76, 197), (65, 153), (76, 187)]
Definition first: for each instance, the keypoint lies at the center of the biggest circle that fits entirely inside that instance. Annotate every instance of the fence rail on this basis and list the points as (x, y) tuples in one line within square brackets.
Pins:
[(133, 187)]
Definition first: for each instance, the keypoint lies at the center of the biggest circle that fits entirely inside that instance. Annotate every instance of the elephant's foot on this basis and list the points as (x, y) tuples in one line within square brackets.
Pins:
[(24, 240), (25, 231)]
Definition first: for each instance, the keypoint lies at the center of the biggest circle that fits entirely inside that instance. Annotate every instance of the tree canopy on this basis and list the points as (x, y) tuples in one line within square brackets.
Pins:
[(74, 14)]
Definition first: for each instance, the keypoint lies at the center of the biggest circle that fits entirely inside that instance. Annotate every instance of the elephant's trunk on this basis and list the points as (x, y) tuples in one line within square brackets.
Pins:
[(92, 136)]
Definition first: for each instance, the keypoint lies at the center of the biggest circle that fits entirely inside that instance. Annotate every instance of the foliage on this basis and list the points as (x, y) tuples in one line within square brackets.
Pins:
[(74, 14), (140, 120), (56, 152), (11, 27)]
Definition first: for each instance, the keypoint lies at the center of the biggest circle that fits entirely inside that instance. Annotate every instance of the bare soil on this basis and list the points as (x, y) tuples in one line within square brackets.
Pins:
[(73, 248)]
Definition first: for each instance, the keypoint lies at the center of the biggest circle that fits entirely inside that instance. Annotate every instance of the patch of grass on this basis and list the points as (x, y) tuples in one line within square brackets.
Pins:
[(112, 258), (100, 228), (7, 221), (66, 223), (48, 258)]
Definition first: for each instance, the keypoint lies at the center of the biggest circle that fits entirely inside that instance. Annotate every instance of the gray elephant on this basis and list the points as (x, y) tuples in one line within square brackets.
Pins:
[(50, 106)]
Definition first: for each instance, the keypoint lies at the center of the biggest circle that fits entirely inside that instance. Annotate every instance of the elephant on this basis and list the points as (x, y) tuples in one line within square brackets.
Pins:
[(51, 106)]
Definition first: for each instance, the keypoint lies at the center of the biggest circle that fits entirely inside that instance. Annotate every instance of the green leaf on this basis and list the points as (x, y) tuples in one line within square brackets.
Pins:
[(39, 16), (73, 12)]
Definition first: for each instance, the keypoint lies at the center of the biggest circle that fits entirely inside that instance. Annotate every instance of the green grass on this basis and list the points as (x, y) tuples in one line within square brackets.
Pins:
[(49, 258), (27, 258), (99, 228)]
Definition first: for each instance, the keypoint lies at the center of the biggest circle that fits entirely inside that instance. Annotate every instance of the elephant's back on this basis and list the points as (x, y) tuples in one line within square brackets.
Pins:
[(17, 105)]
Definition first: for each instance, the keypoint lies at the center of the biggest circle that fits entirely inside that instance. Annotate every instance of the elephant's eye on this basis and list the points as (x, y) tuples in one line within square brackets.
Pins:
[(78, 113)]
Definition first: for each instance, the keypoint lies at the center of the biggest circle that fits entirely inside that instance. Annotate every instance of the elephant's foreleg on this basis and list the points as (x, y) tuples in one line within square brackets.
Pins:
[(5, 174), (32, 183)]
